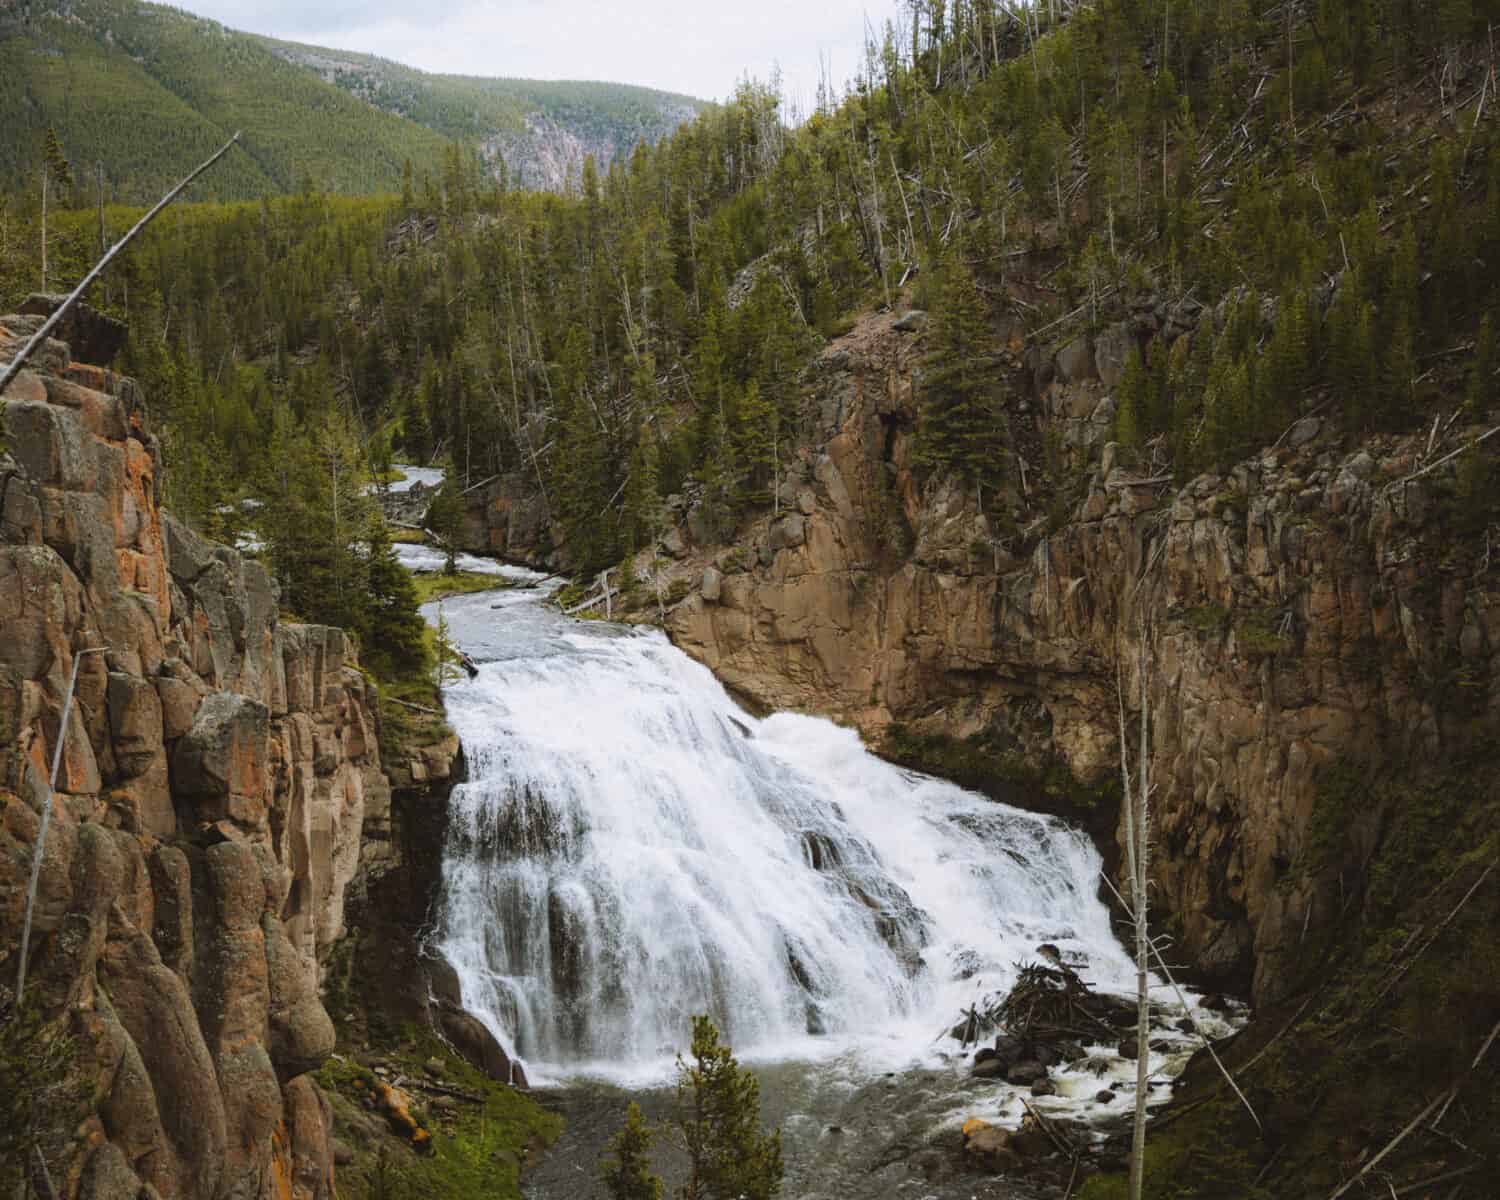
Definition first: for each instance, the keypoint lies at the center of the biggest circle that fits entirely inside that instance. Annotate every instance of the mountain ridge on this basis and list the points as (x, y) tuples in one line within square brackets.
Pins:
[(146, 91)]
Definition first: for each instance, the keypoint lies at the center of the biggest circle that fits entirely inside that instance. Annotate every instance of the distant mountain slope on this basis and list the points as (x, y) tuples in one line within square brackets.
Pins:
[(542, 128), (148, 91)]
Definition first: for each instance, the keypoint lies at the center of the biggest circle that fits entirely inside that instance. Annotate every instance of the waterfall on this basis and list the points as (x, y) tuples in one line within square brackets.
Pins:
[(632, 848)]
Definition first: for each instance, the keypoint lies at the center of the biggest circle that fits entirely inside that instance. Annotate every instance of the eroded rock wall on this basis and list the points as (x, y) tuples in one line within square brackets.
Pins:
[(218, 770)]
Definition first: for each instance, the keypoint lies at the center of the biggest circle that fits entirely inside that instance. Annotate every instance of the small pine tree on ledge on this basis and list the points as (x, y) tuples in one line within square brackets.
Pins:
[(717, 1123), (718, 1118), (627, 1175)]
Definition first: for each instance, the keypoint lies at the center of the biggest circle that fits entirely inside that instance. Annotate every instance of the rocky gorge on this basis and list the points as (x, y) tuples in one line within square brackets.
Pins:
[(233, 862), (222, 808), (1314, 607)]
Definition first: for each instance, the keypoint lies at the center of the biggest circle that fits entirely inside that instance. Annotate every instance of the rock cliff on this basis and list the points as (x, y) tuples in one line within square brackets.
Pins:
[(220, 790), (1312, 607)]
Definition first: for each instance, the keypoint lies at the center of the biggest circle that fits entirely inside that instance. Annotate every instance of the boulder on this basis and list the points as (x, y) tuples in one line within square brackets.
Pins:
[(301, 1032), (108, 1176), (1010, 1049), (713, 584), (989, 1146), (1075, 361), (157, 1013), (789, 532), (1303, 432), (92, 336), (1044, 1087), (911, 321), (477, 1045), (179, 704), (1025, 1073), (1111, 348), (135, 722), (309, 1119), (1031, 1140)]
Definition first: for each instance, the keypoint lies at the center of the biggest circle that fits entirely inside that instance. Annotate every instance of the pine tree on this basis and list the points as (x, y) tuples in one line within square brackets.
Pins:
[(581, 477), (445, 517), (627, 1173), (756, 435), (718, 1119), (1402, 294), (1287, 362), (1399, 371), (641, 514), (391, 629), (1130, 402), (1190, 375), (960, 425), (55, 161), (719, 476)]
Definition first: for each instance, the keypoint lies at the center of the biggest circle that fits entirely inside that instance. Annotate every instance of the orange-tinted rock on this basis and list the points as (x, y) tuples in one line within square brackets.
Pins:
[(191, 974)]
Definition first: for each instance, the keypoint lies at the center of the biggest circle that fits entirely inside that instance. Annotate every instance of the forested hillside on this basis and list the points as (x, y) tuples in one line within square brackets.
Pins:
[(1293, 210), (646, 337), (540, 130), (149, 91)]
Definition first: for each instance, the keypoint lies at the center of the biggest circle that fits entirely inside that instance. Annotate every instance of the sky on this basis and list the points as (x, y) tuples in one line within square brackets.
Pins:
[(700, 47)]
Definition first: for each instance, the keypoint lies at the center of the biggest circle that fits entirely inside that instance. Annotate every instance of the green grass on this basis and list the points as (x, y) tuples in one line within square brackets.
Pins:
[(477, 1149), (411, 537), (437, 586)]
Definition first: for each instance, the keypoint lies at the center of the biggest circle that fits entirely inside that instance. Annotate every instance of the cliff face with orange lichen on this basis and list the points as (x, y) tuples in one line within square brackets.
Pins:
[(220, 791)]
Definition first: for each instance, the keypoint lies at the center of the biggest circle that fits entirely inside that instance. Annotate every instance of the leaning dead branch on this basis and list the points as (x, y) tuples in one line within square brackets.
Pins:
[(1182, 1000), (61, 311), (1431, 467), (1442, 1099), (40, 850)]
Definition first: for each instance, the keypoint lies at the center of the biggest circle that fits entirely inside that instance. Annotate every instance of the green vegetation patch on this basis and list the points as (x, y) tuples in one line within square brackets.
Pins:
[(481, 1135), (1392, 1006), (438, 586), (988, 762)]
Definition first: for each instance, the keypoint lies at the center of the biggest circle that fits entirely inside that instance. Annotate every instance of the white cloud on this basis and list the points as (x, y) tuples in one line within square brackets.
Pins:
[(696, 46)]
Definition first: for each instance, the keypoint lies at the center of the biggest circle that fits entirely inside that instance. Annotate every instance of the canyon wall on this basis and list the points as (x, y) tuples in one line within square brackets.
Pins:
[(1310, 608), (220, 790)]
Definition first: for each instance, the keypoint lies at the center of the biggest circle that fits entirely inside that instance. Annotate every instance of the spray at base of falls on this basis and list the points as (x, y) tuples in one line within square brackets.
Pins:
[(632, 848)]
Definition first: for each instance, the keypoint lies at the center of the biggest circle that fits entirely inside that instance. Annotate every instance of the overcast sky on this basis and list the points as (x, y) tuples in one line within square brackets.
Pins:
[(696, 46)]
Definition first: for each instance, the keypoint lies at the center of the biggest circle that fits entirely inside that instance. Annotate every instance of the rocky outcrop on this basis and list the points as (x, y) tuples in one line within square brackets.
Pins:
[(218, 770), (1313, 606)]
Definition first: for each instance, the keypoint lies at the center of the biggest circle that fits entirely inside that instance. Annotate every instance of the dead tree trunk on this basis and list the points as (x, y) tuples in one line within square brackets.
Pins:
[(1136, 793)]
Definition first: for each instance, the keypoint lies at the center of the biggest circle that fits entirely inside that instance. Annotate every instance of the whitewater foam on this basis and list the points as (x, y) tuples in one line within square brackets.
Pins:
[(633, 848)]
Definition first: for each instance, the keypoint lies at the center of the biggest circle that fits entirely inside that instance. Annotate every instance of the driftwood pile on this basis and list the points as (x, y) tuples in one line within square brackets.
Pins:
[(1052, 1003), (1048, 1004)]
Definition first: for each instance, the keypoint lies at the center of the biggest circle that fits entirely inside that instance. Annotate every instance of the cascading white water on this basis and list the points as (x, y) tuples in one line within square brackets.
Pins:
[(633, 848)]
